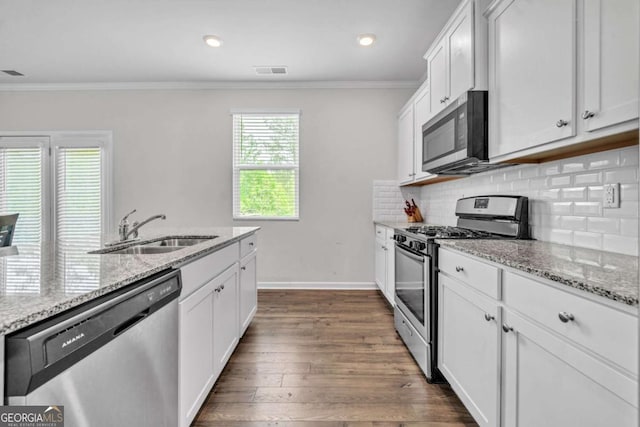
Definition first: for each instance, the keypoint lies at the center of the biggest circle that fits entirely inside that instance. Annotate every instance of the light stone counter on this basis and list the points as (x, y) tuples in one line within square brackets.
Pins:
[(608, 274), (43, 280)]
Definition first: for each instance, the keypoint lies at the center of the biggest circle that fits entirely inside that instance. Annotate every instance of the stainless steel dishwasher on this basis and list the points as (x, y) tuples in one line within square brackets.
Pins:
[(110, 362)]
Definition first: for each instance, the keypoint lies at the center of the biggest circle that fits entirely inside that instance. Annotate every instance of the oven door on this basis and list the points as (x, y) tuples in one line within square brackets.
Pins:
[(412, 272)]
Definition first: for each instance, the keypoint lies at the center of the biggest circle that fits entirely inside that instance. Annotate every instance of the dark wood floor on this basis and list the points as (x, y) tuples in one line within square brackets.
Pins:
[(324, 359)]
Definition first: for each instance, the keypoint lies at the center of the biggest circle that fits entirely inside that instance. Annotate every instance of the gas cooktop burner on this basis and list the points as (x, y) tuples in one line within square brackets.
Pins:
[(447, 232)]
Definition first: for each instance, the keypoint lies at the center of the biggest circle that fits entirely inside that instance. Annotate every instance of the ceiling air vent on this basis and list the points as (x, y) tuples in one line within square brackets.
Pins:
[(12, 73), (270, 71)]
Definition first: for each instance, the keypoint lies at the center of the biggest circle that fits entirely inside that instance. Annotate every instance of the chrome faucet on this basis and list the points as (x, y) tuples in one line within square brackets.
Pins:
[(124, 231)]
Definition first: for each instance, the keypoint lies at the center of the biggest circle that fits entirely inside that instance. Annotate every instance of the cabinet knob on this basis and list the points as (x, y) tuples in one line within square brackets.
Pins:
[(489, 317), (506, 328), (217, 289), (243, 268), (566, 317), (561, 123), (587, 114), (446, 98), (459, 268), (221, 287), (250, 243)]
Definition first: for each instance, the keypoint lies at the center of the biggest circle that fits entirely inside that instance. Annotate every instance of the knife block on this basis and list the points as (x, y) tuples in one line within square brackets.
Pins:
[(416, 217)]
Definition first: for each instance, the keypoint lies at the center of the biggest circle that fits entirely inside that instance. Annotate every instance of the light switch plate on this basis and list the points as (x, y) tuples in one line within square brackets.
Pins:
[(611, 196)]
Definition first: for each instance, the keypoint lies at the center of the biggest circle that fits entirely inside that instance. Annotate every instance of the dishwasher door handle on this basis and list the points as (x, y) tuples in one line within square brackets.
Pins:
[(130, 322)]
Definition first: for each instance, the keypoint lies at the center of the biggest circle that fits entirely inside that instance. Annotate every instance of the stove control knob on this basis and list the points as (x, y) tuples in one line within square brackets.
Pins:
[(420, 246), (399, 238)]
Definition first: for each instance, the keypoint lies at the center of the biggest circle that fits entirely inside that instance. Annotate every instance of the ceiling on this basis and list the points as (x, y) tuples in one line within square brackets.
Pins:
[(142, 41)]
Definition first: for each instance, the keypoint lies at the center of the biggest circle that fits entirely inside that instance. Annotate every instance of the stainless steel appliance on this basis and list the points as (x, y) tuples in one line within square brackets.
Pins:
[(111, 362), (455, 141), (416, 266)]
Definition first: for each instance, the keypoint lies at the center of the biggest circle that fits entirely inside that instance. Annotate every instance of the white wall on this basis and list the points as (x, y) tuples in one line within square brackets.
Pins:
[(565, 199), (172, 154)]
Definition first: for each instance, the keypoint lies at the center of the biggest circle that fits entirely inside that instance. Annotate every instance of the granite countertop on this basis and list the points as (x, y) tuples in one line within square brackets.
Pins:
[(608, 274), (39, 281)]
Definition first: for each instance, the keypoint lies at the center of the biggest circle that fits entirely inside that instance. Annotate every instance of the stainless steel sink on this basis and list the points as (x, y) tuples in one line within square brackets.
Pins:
[(158, 246), (143, 249), (178, 241)]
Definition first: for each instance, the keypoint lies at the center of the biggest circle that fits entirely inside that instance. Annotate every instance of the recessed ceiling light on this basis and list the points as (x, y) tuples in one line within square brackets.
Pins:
[(366, 39), (213, 41)]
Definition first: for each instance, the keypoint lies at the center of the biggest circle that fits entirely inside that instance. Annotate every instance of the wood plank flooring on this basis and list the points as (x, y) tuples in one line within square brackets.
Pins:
[(325, 359)]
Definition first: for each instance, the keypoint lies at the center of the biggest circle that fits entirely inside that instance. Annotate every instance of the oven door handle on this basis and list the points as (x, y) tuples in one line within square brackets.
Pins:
[(419, 258)]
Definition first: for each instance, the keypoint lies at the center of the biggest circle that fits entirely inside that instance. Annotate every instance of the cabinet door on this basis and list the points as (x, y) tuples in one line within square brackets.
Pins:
[(405, 146), (610, 62), (225, 317), (468, 348), (196, 351), (460, 43), (381, 265), (390, 288), (422, 112), (547, 382), (532, 54), (248, 291), (437, 72)]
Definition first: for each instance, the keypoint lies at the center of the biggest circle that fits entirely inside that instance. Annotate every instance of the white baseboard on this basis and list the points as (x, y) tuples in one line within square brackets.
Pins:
[(319, 285)]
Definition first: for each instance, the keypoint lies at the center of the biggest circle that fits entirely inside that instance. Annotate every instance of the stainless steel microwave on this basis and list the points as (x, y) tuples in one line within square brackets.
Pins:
[(455, 141)]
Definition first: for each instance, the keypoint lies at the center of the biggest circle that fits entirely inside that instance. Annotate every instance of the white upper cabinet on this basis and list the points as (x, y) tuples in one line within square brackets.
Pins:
[(561, 72), (532, 51), (451, 59), (405, 145), (610, 62), (437, 72), (422, 112)]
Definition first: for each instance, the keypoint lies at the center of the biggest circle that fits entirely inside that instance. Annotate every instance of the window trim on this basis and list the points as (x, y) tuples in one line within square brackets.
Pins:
[(99, 138), (237, 168)]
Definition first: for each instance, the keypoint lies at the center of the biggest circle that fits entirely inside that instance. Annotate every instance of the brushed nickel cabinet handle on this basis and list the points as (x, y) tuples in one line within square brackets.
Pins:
[(459, 268), (587, 114), (506, 328), (489, 317), (566, 317), (561, 123)]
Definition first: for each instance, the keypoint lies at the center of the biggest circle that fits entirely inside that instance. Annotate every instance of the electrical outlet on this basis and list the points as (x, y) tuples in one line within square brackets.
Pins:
[(611, 196)]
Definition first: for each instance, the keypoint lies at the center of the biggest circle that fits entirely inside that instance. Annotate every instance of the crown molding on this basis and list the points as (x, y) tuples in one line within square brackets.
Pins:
[(239, 85)]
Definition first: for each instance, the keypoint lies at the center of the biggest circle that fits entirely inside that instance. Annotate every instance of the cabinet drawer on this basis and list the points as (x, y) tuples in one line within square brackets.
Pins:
[(477, 274), (200, 271), (381, 233), (248, 244), (602, 329)]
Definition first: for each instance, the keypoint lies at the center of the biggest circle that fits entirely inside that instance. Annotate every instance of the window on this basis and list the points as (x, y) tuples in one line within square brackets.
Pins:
[(59, 184), (266, 165)]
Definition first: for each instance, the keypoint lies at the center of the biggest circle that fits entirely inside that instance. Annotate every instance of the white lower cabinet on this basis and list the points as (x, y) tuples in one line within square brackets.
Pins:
[(522, 352), (217, 303), (548, 382), (196, 351), (225, 317), (469, 348), (385, 262), (248, 291)]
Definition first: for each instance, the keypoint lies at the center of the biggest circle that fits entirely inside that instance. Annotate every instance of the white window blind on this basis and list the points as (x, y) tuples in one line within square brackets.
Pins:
[(22, 187), (266, 165)]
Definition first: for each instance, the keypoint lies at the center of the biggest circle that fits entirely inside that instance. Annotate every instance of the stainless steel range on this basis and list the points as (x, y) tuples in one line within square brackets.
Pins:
[(416, 266)]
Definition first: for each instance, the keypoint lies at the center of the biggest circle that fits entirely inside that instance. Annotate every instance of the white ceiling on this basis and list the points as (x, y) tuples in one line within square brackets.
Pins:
[(111, 41)]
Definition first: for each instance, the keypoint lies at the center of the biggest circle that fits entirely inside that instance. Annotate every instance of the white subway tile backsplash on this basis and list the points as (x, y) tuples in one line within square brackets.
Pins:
[(587, 208), (565, 198), (575, 193), (603, 225), (587, 239), (559, 181), (626, 175), (588, 178), (573, 223), (621, 244), (628, 227)]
